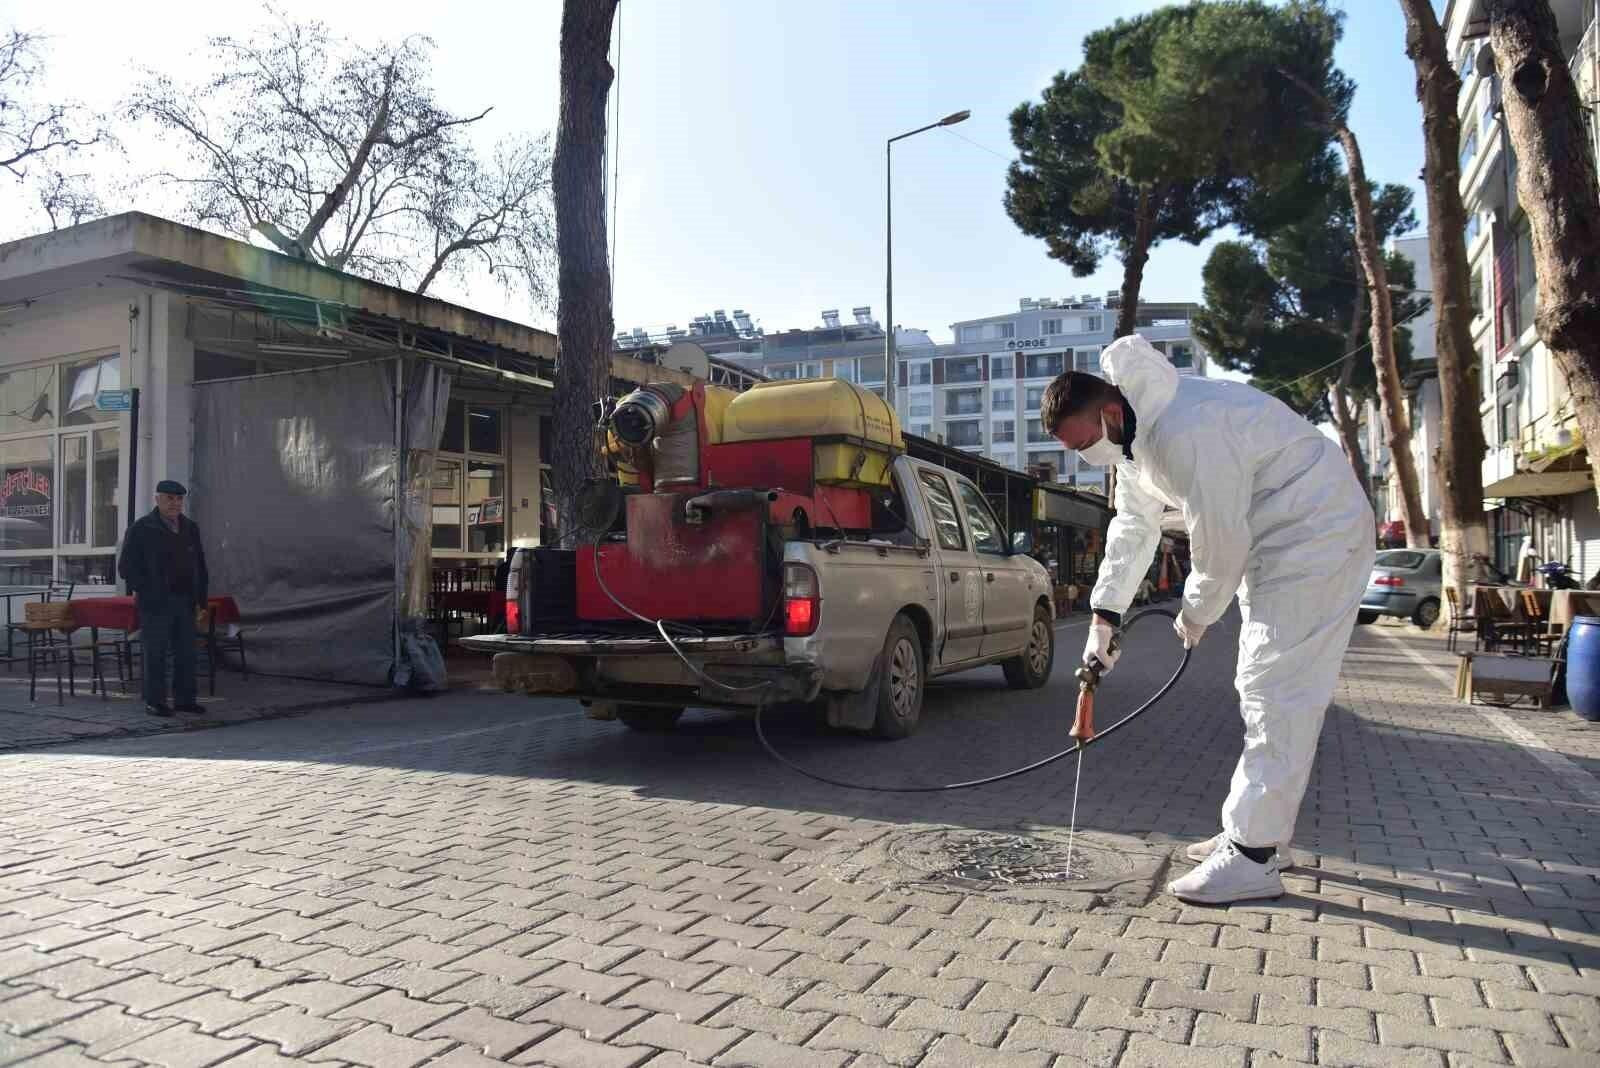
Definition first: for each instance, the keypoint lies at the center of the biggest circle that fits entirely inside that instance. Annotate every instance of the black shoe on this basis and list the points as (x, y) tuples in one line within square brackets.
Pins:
[(191, 709), (158, 710)]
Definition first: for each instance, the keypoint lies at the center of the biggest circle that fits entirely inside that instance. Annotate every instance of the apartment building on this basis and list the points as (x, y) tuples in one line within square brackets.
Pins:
[(1536, 479), (982, 392)]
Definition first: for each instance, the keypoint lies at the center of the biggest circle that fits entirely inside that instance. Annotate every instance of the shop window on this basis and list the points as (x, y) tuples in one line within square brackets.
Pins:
[(447, 485), (81, 383), (103, 490), (27, 493), (486, 507), (26, 399), (486, 429), (74, 488), (455, 430)]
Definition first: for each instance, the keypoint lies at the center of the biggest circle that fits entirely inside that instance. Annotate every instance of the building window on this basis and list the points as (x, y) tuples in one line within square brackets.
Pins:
[(59, 474), (1005, 331), (1475, 292), (1469, 149), (1093, 324), (1086, 360), (782, 372), (1049, 327), (967, 434), (1004, 459), (869, 370), (1032, 397), (963, 369), (1043, 365), (970, 334), (922, 430), (1471, 232), (921, 406), (1182, 355), (1001, 400), (919, 374), (844, 370), (1001, 366), (469, 482), (811, 369), (1527, 280), (1005, 431), (963, 402)]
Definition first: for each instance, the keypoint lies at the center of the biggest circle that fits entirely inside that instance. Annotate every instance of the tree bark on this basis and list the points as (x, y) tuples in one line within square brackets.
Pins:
[(1133, 264), (583, 316), (1557, 187), (1458, 466), (1397, 425)]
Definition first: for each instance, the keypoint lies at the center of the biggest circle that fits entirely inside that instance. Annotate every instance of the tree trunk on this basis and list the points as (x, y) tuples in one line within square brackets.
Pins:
[(1133, 264), (583, 316), (1557, 187), (1458, 467), (1397, 425), (1344, 419)]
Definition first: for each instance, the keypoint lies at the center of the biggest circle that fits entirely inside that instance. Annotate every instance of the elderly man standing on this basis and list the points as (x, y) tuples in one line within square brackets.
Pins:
[(164, 566)]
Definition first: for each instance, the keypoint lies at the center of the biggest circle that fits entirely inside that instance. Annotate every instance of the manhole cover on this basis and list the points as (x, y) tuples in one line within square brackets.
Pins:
[(1026, 864), (991, 857)]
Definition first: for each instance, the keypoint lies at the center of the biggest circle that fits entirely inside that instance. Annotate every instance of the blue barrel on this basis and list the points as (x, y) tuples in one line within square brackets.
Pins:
[(1583, 667)]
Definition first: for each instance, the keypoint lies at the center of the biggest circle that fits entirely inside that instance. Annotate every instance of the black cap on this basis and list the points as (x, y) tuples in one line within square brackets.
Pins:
[(166, 485)]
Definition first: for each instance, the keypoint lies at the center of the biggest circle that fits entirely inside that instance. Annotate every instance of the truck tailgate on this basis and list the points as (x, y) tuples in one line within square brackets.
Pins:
[(582, 644)]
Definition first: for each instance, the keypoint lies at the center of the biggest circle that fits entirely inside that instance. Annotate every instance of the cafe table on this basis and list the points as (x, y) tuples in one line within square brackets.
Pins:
[(122, 614), (1565, 605)]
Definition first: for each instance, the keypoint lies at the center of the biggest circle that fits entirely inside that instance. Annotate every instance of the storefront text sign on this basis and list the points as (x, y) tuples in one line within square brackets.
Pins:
[(114, 400)]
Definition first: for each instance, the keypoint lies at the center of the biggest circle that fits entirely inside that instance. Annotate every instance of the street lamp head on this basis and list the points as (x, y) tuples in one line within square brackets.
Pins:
[(951, 120)]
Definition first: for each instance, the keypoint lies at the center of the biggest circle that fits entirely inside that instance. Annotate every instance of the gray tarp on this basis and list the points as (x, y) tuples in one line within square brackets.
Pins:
[(296, 487)]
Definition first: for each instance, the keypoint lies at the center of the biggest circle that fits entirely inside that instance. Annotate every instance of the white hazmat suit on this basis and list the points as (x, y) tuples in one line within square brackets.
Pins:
[(1274, 513)]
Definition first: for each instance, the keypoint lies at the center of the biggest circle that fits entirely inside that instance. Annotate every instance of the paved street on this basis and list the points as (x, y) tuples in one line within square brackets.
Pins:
[(483, 879)]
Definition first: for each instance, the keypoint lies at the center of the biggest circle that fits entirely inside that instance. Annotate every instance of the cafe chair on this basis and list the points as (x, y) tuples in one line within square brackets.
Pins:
[(1542, 635), (43, 621), (57, 590), (1460, 622), (221, 642)]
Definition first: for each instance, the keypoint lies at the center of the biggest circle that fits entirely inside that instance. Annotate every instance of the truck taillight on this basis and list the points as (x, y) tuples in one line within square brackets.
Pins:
[(802, 601), (514, 593)]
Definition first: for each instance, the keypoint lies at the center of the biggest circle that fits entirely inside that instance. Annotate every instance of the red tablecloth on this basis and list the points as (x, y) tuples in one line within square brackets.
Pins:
[(491, 603), (120, 613)]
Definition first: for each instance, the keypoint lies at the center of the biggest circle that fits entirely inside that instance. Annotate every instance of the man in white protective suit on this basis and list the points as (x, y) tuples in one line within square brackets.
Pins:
[(1274, 513)]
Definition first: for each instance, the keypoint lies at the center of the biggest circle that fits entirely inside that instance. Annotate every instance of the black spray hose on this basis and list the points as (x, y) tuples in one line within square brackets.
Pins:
[(1014, 772)]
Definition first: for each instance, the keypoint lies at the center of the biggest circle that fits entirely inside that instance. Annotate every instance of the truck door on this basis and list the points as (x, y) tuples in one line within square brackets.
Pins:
[(1007, 608), (959, 574)]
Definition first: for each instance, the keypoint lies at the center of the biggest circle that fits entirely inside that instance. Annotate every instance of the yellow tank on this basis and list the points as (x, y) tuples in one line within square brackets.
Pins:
[(856, 432)]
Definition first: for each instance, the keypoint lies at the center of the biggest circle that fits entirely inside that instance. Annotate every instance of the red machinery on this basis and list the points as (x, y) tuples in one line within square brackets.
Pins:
[(723, 479)]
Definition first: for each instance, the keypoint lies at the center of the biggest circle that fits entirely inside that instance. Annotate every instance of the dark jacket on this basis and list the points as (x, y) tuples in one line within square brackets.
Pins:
[(159, 565)]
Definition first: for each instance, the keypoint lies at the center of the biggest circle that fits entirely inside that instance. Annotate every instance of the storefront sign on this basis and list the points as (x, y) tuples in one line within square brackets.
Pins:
[(114, 400), (25, 482), (1030, 343), (1053, 507)]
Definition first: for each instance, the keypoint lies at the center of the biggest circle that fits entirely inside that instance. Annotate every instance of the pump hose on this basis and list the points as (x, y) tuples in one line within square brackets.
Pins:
[(1014, 772)]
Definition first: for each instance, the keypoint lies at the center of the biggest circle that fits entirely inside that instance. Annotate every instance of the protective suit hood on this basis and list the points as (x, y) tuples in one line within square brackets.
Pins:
[(1145, 376)]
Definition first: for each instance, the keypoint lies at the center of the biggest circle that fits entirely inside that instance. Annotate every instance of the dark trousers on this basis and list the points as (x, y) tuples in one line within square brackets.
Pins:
[(168, 631)]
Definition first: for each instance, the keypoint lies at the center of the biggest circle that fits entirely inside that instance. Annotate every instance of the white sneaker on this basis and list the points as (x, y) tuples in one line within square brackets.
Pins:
[(1228, 875), (1201, 850)]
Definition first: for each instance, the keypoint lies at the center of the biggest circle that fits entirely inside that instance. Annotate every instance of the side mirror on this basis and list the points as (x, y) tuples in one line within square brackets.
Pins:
[(1022, 543)]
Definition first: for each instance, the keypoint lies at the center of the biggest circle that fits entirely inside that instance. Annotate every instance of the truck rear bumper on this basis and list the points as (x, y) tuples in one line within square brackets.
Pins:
[(750, 668)]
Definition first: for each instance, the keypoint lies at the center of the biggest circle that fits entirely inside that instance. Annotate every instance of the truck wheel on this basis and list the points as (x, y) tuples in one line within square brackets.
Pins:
[(1032, 669), (648, 717), (1427, 613), (901, 689), (1364, 618)]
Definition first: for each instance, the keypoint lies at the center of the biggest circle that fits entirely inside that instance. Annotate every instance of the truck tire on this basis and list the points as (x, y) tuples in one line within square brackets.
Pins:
[(1032, 669), (648, 717), (904, 682)]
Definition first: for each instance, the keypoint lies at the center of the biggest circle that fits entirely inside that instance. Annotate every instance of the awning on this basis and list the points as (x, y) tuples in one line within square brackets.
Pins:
[(1547, 484)]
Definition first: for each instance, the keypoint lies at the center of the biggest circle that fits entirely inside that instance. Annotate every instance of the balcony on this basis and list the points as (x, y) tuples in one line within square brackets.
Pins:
[(968, 435)]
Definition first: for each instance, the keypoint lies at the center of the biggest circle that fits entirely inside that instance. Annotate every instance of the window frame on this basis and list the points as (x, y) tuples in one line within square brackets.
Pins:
[(967, 496), (465, 459), (925, 483)]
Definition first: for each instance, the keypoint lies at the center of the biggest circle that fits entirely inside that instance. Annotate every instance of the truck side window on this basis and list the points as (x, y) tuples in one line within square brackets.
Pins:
[(986, 535), (943, 506)]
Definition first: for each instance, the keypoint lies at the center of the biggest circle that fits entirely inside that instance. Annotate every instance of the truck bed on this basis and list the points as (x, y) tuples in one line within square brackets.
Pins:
[(591, 643)]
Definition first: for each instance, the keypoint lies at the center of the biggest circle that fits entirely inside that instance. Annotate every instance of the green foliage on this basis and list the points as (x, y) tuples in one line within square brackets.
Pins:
[(1281, 310), (1184, 105)]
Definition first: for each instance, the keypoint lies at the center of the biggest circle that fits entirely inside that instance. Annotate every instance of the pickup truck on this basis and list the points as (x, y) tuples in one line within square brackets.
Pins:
[(859, 628)]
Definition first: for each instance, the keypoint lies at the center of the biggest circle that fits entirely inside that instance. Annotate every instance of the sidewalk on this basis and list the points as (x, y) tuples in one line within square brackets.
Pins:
[(28, 724)]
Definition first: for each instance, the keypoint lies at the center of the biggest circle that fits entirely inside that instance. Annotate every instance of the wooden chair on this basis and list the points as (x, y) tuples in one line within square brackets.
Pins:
[(1542, 635), (44, 652), (1500, 627), (1460, 622)]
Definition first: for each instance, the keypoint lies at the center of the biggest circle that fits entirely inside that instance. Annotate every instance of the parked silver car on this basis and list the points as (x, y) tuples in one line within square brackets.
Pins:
[(1404, 583)]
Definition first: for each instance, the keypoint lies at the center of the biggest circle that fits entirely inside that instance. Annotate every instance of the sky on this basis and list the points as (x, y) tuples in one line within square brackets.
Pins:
[(749, 135)]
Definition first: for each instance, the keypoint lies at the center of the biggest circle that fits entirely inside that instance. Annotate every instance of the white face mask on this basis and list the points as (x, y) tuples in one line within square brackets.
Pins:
[(1105, 452)]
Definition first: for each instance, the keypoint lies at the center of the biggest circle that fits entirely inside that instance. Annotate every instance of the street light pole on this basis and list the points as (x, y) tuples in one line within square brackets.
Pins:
[(889, 371)]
